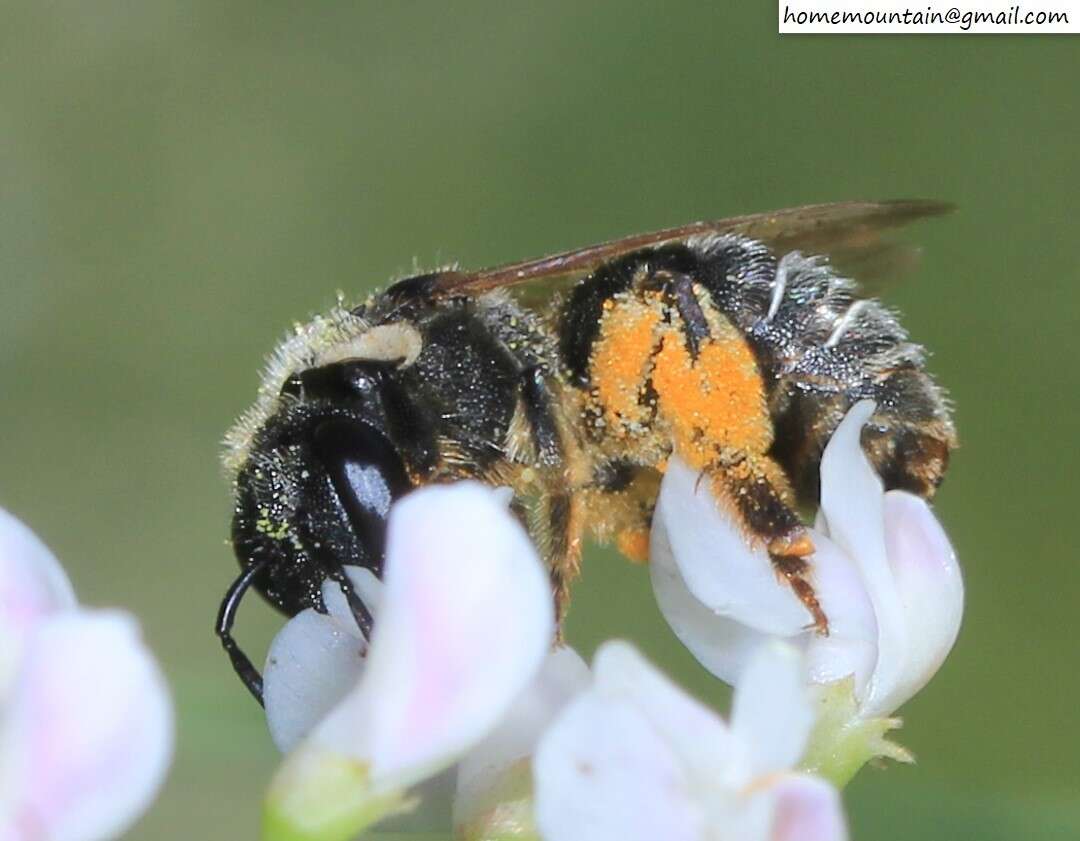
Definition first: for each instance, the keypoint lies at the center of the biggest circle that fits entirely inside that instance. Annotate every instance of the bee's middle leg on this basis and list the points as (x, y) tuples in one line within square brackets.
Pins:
[(758, 491)]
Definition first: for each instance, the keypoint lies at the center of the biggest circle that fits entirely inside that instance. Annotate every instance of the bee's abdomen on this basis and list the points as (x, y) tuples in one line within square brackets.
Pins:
[(821, 349)]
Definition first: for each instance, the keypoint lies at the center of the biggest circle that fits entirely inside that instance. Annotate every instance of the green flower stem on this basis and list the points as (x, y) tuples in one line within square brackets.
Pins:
[(321, 796)]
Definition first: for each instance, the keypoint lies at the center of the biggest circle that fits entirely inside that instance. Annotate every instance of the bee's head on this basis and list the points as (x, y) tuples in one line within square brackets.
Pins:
[(316, 488)]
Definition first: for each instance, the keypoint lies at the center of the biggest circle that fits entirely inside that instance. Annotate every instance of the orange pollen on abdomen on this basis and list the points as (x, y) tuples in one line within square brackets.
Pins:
[(620, 359), (715, 401)]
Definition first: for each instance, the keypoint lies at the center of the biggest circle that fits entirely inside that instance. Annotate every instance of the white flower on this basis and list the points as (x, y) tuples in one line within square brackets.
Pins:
[(633, 757), (494, 781), (465, 622), (884, 572), (460, 675), (86, 723)]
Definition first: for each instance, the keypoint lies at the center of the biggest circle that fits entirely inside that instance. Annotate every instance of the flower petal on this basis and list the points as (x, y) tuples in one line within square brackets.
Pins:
[(315, 660), (852, 505), (312, 664), (466, 621), (851, 646), (771, 713), (32, 585), (850, 489), (89, 732), (723, 642), (605, 772), (724, 647), (497, 770), (695, 732), (633, 757), (930, 590), (466, 618), (721, 645), (806, 809), (720, 568)]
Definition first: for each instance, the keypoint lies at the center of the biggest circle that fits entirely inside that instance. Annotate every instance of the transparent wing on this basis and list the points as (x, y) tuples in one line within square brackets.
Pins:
[(852, 234)]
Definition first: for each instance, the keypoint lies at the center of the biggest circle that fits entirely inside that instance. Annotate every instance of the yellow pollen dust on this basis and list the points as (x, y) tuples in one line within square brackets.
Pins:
[(633, 544), (713, 402), (621, 357)]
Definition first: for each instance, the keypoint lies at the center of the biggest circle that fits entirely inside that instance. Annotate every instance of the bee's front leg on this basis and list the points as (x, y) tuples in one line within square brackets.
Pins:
[(758, 493)]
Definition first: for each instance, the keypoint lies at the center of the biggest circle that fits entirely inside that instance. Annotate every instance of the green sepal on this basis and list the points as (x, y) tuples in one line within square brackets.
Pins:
[(842, 740), (317, 795)]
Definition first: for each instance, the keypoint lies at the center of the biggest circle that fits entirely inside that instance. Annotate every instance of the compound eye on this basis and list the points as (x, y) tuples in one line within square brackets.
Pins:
[(367, 474)]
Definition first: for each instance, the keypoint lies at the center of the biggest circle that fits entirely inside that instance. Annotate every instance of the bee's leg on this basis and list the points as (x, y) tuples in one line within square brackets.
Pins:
[(711, 399), (621, 499), (241, 663), (758, 491), (552, 515), (564, 550), (539, 420), (539, 438), (359, 610), (679, 291)]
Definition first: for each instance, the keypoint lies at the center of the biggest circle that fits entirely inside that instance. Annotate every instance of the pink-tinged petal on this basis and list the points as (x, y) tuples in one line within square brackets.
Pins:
[(716, 561), (771, 714), (806, 809), (852, 502), (930, 589), (89, 731), (32, 585), (31, 579), (633, 757), (465, 621), (486, 770), (603, 771)]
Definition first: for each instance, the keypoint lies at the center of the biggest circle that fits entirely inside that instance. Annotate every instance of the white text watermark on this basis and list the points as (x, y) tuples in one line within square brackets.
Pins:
[(873, 16)]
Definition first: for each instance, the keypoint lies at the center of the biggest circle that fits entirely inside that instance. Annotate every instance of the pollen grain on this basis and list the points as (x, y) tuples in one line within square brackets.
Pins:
[(714, 402)]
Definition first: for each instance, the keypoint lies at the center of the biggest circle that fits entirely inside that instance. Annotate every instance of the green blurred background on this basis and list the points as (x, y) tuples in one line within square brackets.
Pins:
[(181, 181)]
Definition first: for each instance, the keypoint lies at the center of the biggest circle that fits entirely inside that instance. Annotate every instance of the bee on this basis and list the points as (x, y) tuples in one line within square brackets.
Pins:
[(732, 345)]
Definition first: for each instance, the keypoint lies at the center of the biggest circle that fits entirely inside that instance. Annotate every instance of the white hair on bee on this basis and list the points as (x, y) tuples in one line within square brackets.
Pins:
[(801, 309), (845, 321), (780, 282), (299, 350), (398, 341), (709, 243), (334, 336)]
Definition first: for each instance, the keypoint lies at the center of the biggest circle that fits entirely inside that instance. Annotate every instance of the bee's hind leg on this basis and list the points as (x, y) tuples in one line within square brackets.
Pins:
[(758, 492)]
